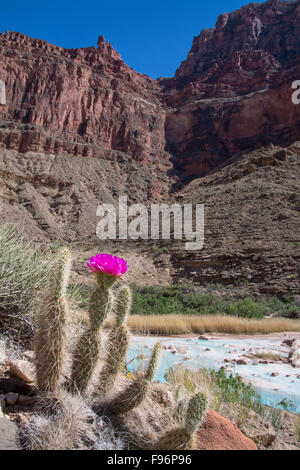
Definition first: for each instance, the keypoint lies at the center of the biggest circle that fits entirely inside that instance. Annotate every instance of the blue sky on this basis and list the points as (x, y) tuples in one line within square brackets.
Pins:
[(152, 37)]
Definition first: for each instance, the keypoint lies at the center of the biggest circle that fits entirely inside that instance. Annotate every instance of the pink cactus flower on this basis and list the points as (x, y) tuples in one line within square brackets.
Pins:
[(107, 264)]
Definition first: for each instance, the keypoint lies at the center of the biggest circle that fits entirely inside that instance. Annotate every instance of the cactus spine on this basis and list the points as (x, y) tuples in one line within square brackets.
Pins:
[(181, 438), (87, 350), (137, 391), (118, 341), (51, 325)]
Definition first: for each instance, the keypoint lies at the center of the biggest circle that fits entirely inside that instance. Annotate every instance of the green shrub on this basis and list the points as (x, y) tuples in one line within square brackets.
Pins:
[(232, 389), (156, 300), (247, 308)]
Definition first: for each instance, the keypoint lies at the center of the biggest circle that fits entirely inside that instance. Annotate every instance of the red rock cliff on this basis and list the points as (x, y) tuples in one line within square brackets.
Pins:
[(80, 101), (233, 93)]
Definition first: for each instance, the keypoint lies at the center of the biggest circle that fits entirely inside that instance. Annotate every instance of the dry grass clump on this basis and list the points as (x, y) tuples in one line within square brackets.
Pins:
[(184, 324), (199, 381), (271, 356), (142, 425), (73, 426), (23, 270)]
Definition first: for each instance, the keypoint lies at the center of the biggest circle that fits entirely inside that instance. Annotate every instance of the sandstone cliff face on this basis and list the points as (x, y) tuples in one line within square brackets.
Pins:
[(233, 93), (79, 101)]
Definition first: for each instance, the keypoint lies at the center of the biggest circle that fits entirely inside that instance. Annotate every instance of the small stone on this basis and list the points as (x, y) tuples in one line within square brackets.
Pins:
[(8, 435), (242, 362), (182, 351), (29, 355), (274, 374), (142, 357), (11, 398), (23, 370), (288, 342), (203, 338), (282, 155), (207, 349), (2, 404)]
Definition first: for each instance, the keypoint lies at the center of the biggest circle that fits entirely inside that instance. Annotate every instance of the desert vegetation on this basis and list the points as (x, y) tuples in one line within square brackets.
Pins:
[(182, 310), (63, 407), (83, 396), (189, 301), (23, 272)]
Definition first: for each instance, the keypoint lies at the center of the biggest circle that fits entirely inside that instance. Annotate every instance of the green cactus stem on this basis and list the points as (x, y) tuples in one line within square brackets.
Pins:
[(118, 341), (87, 350), (50, 339), (136, 392), (182, 437)]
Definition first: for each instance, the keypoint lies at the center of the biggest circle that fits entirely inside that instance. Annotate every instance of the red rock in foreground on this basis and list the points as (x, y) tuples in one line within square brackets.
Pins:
[(218, 433)]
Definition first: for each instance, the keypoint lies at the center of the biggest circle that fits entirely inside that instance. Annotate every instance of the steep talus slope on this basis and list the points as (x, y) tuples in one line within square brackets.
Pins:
[(57, 195), (234, 91), (252, 214)]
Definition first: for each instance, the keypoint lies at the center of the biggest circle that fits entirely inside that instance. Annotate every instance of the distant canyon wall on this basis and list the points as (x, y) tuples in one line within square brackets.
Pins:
[(232, 94)]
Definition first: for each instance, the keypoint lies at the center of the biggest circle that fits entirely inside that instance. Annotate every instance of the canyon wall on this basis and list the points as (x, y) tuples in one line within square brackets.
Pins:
[(78, 127), (84, 102), (233, 92)]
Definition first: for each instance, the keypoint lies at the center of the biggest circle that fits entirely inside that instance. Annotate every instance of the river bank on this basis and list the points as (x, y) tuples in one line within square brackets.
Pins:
[(262, 360)]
